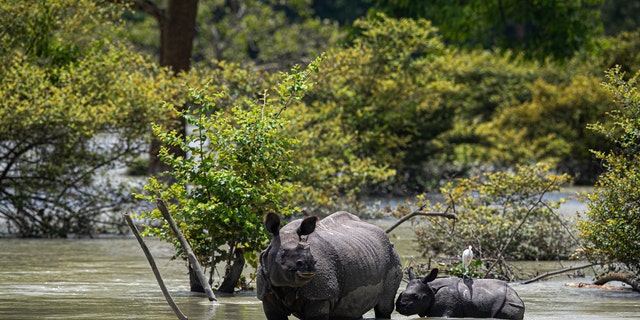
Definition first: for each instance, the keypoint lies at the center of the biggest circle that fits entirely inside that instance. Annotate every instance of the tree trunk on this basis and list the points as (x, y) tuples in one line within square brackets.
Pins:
[(233, 273), (177, 25), (177, 31), (194, 282), (627, 278), (231, 277)]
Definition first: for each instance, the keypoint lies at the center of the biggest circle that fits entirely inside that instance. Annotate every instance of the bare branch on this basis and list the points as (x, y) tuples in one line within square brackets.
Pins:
[(419, 212), (553, 273), (156, 272), (195, 264), (517, 229)]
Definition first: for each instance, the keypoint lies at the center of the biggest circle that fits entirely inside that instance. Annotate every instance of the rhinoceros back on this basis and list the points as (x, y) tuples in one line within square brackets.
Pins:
[(356, 263)]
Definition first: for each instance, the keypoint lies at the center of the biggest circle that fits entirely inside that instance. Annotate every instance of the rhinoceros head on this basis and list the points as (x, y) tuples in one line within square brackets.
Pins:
[(288, 259), (418, 297)]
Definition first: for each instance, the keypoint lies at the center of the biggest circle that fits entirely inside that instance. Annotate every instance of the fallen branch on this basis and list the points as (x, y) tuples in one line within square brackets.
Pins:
[(592, 286), (553, 273), (195, 264), (419, 212), (156, 272), (619, 276)]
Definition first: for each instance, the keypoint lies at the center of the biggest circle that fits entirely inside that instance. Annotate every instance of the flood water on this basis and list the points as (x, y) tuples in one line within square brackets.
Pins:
[(111, 279)]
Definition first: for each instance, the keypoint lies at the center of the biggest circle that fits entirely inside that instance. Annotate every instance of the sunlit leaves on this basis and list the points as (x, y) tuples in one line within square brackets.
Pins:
[(74, 103), (611, 223), (239, 164)]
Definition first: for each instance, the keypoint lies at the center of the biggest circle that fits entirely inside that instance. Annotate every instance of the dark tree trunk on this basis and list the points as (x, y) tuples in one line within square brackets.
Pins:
[(231, 277), (194, 282), (232, 273), (177, 31)]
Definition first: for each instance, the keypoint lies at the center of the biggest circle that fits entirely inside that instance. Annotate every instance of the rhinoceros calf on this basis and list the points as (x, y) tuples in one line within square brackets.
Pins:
[(338, 267), (457, 298)]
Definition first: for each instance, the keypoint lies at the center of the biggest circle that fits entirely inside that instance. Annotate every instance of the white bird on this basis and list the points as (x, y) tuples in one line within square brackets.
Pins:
[(467, 257)]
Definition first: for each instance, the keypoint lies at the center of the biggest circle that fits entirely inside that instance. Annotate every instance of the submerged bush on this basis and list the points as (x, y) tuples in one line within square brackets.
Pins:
[(504, 216)]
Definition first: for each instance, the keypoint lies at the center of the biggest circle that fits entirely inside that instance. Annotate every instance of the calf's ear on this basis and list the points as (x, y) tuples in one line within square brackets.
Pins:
[(307, 226), (272, 223), (411, 274), (431, 276)]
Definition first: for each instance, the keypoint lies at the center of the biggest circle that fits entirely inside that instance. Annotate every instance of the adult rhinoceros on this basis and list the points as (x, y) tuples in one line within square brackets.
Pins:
[(338, 267), (457, 298)]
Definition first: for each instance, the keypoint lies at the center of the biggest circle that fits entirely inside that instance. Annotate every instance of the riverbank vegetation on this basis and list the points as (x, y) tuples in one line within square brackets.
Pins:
[(611, 224), (400, 104)]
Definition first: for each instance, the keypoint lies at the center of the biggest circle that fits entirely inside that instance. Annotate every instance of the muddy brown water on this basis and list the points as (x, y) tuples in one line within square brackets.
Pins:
[(111, 279)]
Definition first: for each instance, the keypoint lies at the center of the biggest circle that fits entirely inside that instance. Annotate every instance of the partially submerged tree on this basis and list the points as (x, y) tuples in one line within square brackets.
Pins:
[(238, 165), (611, 224)]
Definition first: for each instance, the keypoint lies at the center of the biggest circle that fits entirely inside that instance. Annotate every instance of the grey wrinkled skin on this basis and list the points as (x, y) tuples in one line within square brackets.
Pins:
[(337, 268), (458, 298)]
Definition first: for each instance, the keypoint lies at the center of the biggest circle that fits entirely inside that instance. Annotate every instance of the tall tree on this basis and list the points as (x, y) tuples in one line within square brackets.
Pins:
[(177, 24)]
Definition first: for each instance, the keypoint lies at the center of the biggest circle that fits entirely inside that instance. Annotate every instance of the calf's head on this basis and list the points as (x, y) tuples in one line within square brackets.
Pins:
[(418, 297), (288, 259)]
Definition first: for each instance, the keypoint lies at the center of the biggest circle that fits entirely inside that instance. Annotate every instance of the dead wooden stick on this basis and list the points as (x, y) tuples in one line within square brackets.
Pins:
[(553, 273), (156, 272), (419, 212), (195, 264)]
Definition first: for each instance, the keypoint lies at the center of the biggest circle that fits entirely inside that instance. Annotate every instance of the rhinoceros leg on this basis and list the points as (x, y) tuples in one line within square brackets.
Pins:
[(386, 302), (317, 310), (513, 308), (273, 309), (385, 306)]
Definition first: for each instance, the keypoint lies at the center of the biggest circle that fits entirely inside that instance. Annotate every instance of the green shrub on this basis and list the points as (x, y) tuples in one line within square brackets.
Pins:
[(611, 224), (503, 215), (75, 103)]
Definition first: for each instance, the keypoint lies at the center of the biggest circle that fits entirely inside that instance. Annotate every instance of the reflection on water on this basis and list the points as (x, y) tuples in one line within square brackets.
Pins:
[(111, 279)]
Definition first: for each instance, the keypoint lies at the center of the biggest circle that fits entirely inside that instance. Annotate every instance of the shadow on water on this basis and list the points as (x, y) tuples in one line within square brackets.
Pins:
[(111, 279)]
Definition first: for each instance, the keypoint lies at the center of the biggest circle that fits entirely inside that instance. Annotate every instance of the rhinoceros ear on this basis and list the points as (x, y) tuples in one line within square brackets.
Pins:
[(307, 226), (411, 274), (431, 276), (272, 223)]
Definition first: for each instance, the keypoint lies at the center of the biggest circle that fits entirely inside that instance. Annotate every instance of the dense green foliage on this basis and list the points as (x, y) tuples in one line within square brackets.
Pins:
[(384, 92), (611, 225), (75, 102), (536, 28), (239, 165), (503, 215), (429, 111)]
